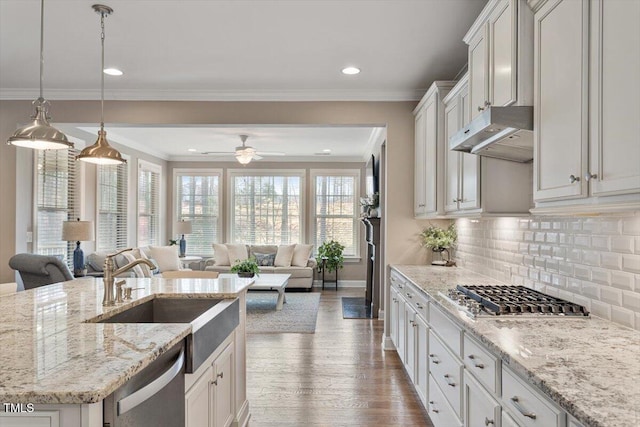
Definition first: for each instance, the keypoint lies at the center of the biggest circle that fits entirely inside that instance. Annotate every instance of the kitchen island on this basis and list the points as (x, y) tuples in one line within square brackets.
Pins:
[(589, 367), (51, 352)]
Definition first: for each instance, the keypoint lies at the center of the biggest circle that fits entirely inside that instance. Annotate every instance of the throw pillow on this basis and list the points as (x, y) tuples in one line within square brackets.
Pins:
[(284, 256), (166, 257), (237, 252), (139, 254), (265, 260), (301, 255), (137, 270), (96, 260), (220, 254)]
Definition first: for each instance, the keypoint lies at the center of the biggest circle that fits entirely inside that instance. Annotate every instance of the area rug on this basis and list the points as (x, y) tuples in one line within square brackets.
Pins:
[(298, 315), (355, 308)]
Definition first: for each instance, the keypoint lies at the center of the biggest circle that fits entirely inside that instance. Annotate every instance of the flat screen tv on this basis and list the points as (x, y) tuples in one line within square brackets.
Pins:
[(372, 179)]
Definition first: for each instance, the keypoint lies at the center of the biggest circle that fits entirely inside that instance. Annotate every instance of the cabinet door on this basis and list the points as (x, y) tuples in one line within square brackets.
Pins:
[(197, 400), (431, 155), (421, 369), (452, 123), (480, 408), (478, 73), (222, 389), (420, 177), (560, 100), (503, 54), (410, 333), (393, 322), (614, 97), (402, 328), (507, 421)]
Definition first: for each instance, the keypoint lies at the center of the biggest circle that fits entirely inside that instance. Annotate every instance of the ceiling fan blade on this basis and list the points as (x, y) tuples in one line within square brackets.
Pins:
[(270, 153), (256, 157), (219, 153)]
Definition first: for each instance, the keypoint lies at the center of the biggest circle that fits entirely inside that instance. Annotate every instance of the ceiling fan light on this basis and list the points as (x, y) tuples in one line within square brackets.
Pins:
[(244, 158)]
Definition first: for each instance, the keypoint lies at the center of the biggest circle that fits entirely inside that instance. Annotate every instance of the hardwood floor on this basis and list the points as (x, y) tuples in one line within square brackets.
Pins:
[(339, 376)]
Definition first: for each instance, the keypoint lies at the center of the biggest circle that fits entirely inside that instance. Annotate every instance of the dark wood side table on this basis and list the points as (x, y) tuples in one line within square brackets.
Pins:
[(324, 262)]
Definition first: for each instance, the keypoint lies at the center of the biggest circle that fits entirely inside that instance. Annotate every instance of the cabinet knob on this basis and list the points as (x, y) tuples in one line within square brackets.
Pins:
[(589, 176), (487, 421), (573, 178), (421, 205), (480, 108)]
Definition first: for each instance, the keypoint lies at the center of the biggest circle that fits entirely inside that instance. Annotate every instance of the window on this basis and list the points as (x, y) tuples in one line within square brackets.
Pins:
[(113, 181), (266, 207), (335, 195), (148, 203), (198, 200), (56, 201)]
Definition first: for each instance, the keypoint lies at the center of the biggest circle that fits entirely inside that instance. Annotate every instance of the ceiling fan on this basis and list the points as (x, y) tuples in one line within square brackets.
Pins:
[(245, 153)]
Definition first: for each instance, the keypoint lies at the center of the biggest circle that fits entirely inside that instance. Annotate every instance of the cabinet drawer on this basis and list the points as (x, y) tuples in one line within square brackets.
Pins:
[(446, 329), (527, 406), (483, 365), (446, 370), (439, 410), (397, 281), (416, 299)]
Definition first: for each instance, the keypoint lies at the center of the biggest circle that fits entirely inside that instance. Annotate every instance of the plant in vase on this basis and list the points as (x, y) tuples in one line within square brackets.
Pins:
[(247, 268), (440, 240), (330, 256)]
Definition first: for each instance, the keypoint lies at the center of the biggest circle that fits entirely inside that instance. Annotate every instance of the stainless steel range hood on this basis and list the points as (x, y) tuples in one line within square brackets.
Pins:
[(500, 132)]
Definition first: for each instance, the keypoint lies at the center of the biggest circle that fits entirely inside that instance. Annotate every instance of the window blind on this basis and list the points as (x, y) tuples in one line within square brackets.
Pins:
[(266, 209), (113, 181), (148, 204), (335, 210), (56, 201), (198, 201)]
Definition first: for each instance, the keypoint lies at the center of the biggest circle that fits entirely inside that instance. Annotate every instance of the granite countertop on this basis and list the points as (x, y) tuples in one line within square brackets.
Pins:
[(50, 354), (588, 366)]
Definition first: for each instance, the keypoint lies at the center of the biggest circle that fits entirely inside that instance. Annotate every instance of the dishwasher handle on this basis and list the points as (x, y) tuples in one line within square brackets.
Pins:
[(134, 399)]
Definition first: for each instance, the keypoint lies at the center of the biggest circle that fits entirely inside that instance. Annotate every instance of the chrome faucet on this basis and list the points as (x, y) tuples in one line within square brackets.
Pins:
[(111, 294)]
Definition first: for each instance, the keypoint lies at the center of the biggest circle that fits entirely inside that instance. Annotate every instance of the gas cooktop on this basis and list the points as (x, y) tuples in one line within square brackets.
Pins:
[(507, 300)]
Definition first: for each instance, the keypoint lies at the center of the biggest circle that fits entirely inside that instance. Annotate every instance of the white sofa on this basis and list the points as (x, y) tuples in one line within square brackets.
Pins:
[(165, 258), (301, 275)]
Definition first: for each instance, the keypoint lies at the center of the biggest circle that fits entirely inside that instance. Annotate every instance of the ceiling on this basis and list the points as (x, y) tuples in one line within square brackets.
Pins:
[(235, 49), (300, 143)]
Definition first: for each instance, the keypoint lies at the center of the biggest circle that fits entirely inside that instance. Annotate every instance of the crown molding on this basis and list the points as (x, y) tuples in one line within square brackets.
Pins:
[(278, 159), (7, 94)]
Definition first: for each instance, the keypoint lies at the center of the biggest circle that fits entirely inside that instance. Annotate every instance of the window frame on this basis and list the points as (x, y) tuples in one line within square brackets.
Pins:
[(126, 205), (298, 173), (352, 172), (199, 172), (154, 168)]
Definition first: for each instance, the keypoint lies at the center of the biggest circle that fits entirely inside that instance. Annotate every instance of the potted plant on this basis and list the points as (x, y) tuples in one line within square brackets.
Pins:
[(440, 240), (246, 268), (329, 256)]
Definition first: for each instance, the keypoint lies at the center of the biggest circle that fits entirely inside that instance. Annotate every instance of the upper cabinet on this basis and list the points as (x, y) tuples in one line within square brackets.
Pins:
[(586, 108), (429, 151), (500, 56)]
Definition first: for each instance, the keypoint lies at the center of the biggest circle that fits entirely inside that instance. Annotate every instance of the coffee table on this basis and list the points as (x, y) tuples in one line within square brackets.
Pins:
[(269, 282)]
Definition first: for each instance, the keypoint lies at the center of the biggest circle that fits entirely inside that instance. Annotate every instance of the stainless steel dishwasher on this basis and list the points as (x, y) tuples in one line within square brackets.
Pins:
[(154, 397)]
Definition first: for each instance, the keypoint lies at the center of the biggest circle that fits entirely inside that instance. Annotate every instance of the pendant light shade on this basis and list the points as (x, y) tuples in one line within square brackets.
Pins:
[(101, 152), (39, 134)]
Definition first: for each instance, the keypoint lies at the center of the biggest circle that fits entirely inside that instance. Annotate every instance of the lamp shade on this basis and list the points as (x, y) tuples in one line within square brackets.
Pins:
[(77, 231), (184, 227)]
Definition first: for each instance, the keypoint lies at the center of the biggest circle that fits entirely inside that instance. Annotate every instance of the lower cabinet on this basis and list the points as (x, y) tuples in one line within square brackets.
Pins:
[(438, 409), (481, 409), (209, 399)]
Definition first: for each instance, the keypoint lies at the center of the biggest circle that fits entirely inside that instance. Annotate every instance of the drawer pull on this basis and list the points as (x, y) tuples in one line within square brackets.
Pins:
[(516, 403), (400, 286), (409, 295), (487, 421), (433, 409), (433, 359), (395, 300), (420, 306), (477, 365), (411, 322), (414, 324), (446, 378)]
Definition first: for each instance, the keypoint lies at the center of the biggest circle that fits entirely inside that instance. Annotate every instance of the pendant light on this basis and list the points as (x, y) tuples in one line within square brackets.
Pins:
[(101, 152), (39, 134)]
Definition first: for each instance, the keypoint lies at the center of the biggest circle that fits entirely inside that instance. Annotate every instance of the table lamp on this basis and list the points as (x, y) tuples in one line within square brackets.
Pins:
[(78, 231), (183, 227)]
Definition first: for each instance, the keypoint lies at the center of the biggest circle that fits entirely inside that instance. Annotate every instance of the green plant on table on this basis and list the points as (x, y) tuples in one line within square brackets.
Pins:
[(439, 240), (248, 265), (331, 253)]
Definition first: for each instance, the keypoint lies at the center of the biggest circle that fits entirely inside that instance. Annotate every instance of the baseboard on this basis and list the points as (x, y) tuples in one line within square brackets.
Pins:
[(387, 344), (341, 284), (243, 415)]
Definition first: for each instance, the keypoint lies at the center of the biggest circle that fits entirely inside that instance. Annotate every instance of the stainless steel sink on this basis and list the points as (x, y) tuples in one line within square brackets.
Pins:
[(212, 320)]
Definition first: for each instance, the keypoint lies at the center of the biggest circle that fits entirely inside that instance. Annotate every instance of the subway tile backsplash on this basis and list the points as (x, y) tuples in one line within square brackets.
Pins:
[(593, 261)]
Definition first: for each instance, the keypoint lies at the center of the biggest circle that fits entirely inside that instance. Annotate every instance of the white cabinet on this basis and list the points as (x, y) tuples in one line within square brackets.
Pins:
[(421, 368), (429, 151), (410, 355), (222, 389), (501, 56), (586, 151), (197, 401), (480, 408), (393, 325)]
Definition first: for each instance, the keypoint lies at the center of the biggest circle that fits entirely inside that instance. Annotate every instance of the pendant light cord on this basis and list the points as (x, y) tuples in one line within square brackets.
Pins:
[(102, 73), (41, 50)]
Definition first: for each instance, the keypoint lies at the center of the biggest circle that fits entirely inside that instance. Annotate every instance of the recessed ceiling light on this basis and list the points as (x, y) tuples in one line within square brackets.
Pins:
[(350, 70), (192, 150), (113, 72)]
